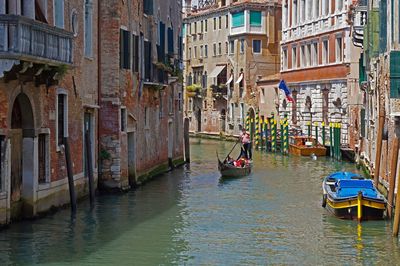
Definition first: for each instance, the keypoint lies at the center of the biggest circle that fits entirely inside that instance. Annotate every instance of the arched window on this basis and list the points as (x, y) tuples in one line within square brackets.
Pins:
[(88, 27)]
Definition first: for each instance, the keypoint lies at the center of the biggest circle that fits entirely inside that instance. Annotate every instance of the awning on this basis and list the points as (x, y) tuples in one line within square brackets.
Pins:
[(229, 80), (216, 71), (240, 78)]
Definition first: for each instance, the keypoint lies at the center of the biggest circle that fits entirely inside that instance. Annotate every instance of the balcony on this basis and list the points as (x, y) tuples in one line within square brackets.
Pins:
[(31, 41)]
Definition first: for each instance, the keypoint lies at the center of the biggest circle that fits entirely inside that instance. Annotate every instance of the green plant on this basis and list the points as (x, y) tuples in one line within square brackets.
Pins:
[(61, 70), (193, 88), (164, 67), (104, 155)]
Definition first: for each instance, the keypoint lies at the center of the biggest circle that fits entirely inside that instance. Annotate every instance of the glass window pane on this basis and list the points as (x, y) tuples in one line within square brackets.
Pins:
[(238, 19), (255, 18)]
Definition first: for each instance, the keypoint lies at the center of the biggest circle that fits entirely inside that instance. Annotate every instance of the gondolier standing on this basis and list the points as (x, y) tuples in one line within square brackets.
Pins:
[(245, 139)]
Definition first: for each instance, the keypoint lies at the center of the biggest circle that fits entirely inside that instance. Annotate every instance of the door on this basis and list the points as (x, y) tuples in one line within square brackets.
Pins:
[(88, 128), (132, 157), (16, 165), (170, 140)]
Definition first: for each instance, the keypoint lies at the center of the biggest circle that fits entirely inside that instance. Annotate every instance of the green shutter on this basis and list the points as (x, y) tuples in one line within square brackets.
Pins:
[(362, 76), (362, 117), (395, 74), (255, 18), (238, 19), (383, 26)]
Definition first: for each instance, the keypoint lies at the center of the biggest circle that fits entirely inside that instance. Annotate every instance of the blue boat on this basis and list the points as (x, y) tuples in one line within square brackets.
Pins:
[(350, 196)]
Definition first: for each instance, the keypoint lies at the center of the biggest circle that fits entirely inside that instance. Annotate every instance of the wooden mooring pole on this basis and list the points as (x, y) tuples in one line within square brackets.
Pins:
[(186, 139), (89, 166), (393, 172), (379, 147), (71, 186)]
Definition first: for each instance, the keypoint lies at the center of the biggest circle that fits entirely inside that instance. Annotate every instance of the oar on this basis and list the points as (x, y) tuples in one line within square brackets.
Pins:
[(232, 149)]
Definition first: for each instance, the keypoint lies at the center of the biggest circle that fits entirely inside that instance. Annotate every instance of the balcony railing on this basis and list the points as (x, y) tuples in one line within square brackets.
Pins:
[(25, 39)]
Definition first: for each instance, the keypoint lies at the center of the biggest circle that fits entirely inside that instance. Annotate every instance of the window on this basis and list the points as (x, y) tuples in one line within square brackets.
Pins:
[(135, 53), (125, 49), (285, 19), (309, 9), (232, 111), (220, 23), (256, 46), (88, 141), (316, 9), (339, 49), (302, 56), (232, 47), (62, 118), (303, 10), (190, 53), (201, 26), (43, 158), (170, 41), (205, 25), (201, 51), (242, 46), (325, 105), (123, 119), (308, 55), (59, 13), (88, 27), (215, 23), (294, 57), (148, 65), (226, 22), (195, 27), (148, 7), (255, 18), (238, 19), (314, 54), (219, 48), (339, 5), (325, 52), (262, 95), (326, 7), (242, 112), (294, 13), (195, 52), (205, 50), (179, 101), (226, 47), (214, 49), (285, 60)]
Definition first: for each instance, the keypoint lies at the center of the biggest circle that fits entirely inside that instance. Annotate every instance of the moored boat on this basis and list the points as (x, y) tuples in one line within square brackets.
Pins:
[(305, 146), (350, 196)]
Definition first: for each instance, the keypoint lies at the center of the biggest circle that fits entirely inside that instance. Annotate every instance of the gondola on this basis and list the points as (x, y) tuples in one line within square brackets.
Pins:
[(230, 171), (350, 196)]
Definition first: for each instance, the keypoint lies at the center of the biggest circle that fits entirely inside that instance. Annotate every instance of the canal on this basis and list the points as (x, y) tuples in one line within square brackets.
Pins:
[(191, 217)]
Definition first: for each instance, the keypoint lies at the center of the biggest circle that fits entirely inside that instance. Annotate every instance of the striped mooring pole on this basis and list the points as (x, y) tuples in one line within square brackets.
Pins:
[(267, 125), (257, 129), (316, 131), (273, 134), (331, 139), (323, 133), (285, 135), (247, 121), (281, 122)]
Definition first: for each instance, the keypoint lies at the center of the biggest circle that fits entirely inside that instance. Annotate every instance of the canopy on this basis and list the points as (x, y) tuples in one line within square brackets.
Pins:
[(240, 78), (216, 71), (229, 80)]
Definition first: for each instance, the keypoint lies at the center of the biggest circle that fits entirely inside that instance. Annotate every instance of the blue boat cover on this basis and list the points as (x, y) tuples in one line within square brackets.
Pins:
[(344, 175), (350, 188)]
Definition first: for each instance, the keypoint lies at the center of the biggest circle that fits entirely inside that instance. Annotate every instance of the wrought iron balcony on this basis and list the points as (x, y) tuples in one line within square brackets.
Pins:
[(28, 40)]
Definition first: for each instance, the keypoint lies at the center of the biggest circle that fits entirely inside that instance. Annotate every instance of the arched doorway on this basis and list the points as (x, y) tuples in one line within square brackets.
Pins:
[(252, 128), (223, 119), (22, 157)]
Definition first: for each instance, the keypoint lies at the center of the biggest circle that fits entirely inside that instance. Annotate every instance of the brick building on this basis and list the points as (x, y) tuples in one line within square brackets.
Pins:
[(140, 90), (320, 65), (48, 91), (229, 45)]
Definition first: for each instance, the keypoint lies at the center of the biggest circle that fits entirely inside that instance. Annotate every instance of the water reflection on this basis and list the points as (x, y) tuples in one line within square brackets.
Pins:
[(191, 217)]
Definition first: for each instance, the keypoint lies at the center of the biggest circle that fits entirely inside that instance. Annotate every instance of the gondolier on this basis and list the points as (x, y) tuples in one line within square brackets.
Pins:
[(246, 142)]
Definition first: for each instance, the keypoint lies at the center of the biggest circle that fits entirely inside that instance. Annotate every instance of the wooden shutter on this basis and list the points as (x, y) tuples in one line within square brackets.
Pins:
[(170, 41)]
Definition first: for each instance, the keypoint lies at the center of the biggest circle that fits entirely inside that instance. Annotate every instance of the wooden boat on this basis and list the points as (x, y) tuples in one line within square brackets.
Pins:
[(350, 196), (305, 146), (229, 170)]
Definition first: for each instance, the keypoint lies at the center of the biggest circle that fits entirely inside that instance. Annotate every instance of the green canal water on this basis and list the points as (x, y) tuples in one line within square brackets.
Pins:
[(191, 217)]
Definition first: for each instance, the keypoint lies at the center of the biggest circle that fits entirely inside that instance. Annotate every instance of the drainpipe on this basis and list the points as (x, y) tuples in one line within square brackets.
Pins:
[(99, 164)]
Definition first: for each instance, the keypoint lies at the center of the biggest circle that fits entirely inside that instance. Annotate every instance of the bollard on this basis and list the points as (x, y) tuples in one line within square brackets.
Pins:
[(323, 133)]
